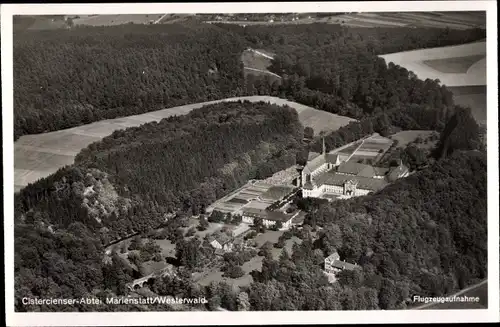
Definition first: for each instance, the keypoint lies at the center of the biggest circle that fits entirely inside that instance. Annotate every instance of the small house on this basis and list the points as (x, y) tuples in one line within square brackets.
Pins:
[(333, 264), (222, 241)]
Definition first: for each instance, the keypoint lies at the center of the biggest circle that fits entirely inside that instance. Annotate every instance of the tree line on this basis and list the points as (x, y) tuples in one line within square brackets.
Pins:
[(87, 74)]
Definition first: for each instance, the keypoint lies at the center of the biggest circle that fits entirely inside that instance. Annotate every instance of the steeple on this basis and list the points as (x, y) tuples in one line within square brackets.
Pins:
[(324, 147)]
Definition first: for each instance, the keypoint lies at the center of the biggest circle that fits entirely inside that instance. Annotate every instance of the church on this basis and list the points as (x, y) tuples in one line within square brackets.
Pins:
[(334, 176)]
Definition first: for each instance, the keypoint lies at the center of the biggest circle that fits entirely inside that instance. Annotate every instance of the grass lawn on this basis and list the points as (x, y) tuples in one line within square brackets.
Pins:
[(254, 60), (288, 246), (458, 65), (405, 137), (268, 236), (108, 20)]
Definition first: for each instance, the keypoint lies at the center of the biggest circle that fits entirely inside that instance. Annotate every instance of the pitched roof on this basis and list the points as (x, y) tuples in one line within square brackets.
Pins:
[(344, 265), (299, 218), (222, 238), (333, 256), (308, 186), (315, 163), (313, 155), (365, 183), (380, 171), (266, 214), (352, 168), (368, 171), (395, 172), (332, 158)]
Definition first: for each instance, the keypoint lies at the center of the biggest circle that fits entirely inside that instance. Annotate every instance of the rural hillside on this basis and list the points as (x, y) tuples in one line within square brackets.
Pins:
[(126, 136)]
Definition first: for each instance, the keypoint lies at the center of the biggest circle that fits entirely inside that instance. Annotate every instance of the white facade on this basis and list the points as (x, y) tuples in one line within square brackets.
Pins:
[(267, 223), (216, 244), (317, 192), (228, 247)]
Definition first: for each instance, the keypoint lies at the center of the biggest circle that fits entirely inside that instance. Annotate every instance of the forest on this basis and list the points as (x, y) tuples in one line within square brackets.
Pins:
[(424, 234), (84, 74), (128, 183), (77, 76)]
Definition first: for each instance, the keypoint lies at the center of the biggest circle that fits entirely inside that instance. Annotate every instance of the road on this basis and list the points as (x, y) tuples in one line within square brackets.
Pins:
[(263, 71), (465, 290), (159, 19), (261, 54)]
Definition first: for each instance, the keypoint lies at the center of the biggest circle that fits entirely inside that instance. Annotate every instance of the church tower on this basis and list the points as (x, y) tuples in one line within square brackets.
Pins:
[(324, 147)]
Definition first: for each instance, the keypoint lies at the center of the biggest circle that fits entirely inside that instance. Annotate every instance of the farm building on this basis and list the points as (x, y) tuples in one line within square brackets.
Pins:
[(269, 218)]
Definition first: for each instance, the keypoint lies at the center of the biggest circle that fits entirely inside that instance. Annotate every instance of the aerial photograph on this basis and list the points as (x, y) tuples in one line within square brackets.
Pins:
[(250, 162)]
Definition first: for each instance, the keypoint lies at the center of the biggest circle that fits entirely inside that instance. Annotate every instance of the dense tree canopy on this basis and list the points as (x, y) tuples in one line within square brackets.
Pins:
[(181, 163), (424, 234), (78, 76), (85, 74)]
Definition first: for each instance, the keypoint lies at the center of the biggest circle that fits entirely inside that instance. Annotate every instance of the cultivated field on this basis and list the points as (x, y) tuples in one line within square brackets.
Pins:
[(109, 20), (459, 65), (473, 97), (372, 148), (461, 68), (31, 161), (255, 194), (446, 63), (452, 20)]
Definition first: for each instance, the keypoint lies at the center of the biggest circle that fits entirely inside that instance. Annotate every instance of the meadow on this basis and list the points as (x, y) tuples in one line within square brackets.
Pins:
[(461, 68), (109, 20), (436, 63), (31, 161), (473, 97), (405, 137), (452, 20)]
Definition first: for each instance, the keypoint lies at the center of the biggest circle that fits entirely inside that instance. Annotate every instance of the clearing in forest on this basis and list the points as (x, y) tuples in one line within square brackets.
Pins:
[(406, 137), (31, 161)]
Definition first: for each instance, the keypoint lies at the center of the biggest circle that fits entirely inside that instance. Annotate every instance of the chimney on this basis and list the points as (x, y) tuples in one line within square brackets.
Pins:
[(324, 146)]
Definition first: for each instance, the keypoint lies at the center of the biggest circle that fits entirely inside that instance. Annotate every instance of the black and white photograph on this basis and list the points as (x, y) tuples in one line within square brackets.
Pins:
[(306, 161)]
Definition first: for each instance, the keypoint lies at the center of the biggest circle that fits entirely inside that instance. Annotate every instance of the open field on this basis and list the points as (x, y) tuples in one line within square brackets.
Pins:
[(69, 142), (39, 22), (253, 59), (458, 65), (473, 97), (109, 20), (405, 137), (249, 195), (256, 62), (461, 68), (322, 121), (452, 20), (417, 61)]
